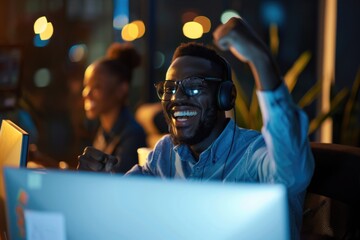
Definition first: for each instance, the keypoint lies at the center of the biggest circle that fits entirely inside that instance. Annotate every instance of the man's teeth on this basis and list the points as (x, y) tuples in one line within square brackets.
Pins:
[(185, 113)]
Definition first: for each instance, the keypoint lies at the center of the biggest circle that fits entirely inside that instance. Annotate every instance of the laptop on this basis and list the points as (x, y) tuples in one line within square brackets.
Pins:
[(14, 143), (64, 204)]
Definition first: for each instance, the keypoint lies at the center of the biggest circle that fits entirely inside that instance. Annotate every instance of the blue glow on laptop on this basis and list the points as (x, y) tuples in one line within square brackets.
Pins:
[(84, 205)]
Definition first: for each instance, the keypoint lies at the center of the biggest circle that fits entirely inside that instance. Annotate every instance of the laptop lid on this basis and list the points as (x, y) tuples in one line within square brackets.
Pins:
[(14, 143), (62, 205)]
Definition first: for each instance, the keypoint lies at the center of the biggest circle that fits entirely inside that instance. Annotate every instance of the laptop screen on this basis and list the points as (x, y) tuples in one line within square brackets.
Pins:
[(62, 205), (14, 143)]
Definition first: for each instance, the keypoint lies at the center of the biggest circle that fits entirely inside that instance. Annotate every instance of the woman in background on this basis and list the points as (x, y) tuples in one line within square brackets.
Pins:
[(106, 88)]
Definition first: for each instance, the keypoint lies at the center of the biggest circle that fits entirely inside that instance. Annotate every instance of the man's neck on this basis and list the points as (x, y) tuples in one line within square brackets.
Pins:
[(197, 149)]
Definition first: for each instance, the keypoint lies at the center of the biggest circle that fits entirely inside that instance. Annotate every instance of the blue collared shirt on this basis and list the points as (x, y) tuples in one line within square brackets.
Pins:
[(280, 154)]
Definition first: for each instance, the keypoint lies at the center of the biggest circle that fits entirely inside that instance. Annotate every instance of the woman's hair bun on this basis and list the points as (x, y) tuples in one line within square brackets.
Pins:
[(125, 53)]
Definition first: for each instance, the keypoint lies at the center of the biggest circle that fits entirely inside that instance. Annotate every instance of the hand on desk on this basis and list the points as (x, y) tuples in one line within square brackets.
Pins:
[(95, 160)]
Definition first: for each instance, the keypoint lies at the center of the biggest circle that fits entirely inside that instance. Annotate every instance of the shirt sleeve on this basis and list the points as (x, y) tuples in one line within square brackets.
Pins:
[(158, 161), (289, 158), (142, 170)]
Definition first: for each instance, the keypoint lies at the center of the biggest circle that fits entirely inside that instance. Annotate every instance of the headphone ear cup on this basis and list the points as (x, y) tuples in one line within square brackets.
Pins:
[(226, 95)]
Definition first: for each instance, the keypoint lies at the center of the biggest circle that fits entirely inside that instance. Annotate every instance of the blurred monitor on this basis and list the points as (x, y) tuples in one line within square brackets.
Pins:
[(10, 75), (63, 204), (14, 143)]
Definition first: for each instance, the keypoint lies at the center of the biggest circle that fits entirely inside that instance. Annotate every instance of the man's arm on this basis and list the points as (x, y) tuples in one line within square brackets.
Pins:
[(289, 159), (238, 37)]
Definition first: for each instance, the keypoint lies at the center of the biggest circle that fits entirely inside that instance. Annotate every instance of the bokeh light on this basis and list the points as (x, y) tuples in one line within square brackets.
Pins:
[(63, 165), (43, 30), (77, 52), (38, 42), (225, 16), (40, 25), (141, 28), (130, 32), (159, 60), (272, 13), (205, 23), (120, 21), (42, 77), (188, 16), (193, 30), (48, 32)]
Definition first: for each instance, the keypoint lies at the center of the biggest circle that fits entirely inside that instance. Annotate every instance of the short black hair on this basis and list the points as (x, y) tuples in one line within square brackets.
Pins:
[(203, 51)]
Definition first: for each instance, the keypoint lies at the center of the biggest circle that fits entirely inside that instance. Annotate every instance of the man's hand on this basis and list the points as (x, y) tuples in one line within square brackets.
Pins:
[(95, 160), (237, 36)]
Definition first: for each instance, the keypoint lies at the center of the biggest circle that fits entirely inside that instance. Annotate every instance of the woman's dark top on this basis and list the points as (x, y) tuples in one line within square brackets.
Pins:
[(122, 141)]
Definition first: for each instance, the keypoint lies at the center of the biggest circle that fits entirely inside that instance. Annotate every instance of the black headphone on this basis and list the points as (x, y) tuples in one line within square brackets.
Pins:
[(226, 94)]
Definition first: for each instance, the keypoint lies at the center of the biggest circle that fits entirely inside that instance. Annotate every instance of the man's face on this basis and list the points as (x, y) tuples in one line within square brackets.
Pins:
[(191, 118)]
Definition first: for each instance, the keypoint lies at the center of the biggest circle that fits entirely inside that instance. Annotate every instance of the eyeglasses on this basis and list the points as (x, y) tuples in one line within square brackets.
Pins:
[(191, 86)]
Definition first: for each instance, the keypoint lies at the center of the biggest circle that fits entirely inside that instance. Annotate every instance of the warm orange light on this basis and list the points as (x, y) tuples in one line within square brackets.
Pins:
[(130, 32), (63, 165), (328, 53), (188, 16), (274, 39), (141, 28), (205, 23)]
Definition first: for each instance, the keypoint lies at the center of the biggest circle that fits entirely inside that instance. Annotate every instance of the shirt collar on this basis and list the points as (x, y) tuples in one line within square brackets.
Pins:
[(216, 151)]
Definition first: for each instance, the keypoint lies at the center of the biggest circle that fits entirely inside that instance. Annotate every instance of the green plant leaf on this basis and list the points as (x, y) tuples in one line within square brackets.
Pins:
[(274, 38), (310, 95), (334, 106), (351, 102), (241, 105), (255, 120), (291, 76), (350, 125)]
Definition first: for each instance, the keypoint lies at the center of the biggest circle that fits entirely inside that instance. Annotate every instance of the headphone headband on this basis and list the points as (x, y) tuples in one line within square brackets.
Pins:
[(226, 65), (226, 93)]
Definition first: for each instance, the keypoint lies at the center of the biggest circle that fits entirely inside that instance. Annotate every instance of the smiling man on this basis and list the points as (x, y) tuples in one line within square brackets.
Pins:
[(189, 97), (205, 145)]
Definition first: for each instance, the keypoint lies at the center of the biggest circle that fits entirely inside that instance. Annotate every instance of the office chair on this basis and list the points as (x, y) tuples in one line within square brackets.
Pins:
[(332, 203)]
